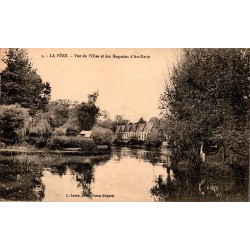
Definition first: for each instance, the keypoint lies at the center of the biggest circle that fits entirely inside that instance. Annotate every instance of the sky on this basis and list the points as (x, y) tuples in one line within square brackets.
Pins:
[(127, 86)]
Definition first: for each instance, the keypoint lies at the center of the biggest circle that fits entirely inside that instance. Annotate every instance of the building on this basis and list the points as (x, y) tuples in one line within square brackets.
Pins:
[(86, 134), (139, 131), (126, 134), (148, 129)]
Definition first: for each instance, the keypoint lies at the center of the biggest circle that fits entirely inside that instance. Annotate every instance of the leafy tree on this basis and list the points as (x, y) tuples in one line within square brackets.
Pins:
[(141, 120), (107, 123), (155, 121), (119, 120), (13, 119), (88, 112), (71, 131), (40, 125), (104, 120), (102, 136), (155, 138), (21, 84), (208, 97), (59, 131), (59, 112)]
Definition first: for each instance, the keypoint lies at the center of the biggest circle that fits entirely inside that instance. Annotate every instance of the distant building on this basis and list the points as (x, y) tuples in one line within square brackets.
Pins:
[(126, 133), (139, 131), (86, 134)]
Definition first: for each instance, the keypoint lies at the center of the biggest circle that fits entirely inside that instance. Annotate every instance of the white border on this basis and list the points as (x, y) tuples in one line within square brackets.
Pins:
[(117, 24)]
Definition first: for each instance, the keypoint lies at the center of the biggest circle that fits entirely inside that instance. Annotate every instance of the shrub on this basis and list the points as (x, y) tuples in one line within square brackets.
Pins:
[(135, 142), (154, 139), (12, 121), (59, 131), (39, 130), (60, 142), (71, 132), (39, 142), (102, 136)]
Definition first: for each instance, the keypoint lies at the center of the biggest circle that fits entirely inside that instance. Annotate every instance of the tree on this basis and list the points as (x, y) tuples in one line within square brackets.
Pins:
[(141, 120), (88, 112), (13, 119), (21, 84), (119, 120), (155, 121), (102, 136), (104, 120), (155, 138), (208, 97), (59, 112), (40, 125)]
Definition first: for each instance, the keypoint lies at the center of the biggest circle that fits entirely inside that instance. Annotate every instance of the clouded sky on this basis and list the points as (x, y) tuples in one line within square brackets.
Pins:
[(127, 86)]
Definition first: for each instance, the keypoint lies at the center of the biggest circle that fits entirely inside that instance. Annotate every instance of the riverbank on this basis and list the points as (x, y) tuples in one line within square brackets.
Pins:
[(66, 151)]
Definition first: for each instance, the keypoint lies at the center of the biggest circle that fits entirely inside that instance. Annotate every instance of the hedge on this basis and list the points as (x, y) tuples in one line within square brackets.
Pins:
[(60, 142)]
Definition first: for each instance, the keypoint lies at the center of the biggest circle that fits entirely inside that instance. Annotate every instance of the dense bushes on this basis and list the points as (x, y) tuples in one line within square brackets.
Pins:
[(13, 119), (59, 131), (60, 142), (71, 132), (39, 142), (102, 136)]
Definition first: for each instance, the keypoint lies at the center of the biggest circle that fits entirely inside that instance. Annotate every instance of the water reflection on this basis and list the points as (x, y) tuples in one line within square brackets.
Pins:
[(202, 186), (20, 180), (124, 175)]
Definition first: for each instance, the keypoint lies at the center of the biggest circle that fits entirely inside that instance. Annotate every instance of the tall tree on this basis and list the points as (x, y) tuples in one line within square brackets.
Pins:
[(13, 119), (141, 120), (88, 112), (119, 120), (208, 96), (59, 112), (21, 84)]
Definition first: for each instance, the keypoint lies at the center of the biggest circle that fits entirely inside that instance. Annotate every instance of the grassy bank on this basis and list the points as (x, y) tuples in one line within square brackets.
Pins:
[(58, 145)]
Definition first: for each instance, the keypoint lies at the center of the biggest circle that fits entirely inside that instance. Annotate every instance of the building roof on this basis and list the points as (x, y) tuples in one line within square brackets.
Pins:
[(148, 128), (128, 127), (122, 128), (133, 127), (140, 127), (118, 129), (86, 134)]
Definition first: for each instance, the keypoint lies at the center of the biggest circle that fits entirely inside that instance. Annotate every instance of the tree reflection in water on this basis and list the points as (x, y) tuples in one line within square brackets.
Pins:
[(203, 185), (20, 180), (82, 169), (84, 175)]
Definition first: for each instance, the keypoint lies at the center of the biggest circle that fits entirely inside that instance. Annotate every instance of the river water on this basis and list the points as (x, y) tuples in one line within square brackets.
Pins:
[(123, 175)]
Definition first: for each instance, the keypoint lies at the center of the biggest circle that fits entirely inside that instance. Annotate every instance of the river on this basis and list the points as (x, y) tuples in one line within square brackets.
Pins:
[(123, 175)]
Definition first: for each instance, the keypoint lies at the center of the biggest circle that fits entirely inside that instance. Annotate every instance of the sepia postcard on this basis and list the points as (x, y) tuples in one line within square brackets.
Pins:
[(124, 125)]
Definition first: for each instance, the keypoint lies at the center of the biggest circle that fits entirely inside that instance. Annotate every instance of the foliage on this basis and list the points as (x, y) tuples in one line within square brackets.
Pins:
[(21, 84), (88, 112), (102, 136), (108, 123), (58, 112), (59, 131), (40, 125), (60, 142), (39, 142), (71, 132), (141, 120), (135, 141), (13, 118), (104, 120), (154, 138), (119, 120), (155, 121), (208, 96)]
